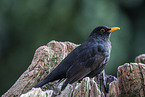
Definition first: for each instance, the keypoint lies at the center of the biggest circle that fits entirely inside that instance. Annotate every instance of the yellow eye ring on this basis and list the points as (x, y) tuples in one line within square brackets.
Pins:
[(102, 30)]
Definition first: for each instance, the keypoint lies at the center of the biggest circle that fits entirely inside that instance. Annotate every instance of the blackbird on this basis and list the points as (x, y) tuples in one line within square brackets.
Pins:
[(87, 60)]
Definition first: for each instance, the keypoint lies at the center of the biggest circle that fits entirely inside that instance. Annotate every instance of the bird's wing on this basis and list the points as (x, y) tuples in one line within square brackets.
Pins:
[(86, 61)]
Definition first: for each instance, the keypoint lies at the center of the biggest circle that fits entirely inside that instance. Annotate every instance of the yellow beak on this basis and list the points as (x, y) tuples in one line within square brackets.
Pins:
[(114, 29)]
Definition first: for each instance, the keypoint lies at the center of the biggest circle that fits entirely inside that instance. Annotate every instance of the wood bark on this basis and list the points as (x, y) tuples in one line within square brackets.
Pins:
[(130, 83)]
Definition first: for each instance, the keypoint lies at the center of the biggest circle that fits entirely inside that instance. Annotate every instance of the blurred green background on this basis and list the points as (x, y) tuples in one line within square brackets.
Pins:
[(26, 25)]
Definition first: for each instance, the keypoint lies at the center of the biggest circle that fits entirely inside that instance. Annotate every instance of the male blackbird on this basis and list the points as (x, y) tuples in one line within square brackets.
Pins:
[(87, 60)]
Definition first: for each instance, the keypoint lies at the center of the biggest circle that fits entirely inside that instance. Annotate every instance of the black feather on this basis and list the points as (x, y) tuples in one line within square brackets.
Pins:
[(87, 60)]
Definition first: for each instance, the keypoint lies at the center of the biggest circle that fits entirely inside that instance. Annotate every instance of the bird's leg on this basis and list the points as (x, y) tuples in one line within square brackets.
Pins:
[(59, 81)]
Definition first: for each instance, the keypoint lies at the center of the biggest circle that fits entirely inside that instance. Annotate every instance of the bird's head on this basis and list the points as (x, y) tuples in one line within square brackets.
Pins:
[(103, 32)]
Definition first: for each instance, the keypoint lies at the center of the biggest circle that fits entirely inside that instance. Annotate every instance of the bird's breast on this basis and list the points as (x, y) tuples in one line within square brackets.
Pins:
[(104, 48)]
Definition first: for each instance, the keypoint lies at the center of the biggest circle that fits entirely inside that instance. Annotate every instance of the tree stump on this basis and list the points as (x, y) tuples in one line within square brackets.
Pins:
[(130, 83)]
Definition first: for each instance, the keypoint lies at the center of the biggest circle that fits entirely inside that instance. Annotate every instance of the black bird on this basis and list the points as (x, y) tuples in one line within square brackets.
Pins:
[(87, 60)]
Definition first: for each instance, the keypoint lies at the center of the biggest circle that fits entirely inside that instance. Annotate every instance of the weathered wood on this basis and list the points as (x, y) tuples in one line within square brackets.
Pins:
[(103, 81), (131, 77), (131, 81), (140, 59), (46, 58)]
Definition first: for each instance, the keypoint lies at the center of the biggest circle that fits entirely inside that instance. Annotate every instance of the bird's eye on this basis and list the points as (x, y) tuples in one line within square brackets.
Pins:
[(102, 30)]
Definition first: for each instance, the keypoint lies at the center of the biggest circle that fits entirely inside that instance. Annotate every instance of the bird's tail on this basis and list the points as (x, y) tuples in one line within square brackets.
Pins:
[(40, 84)]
